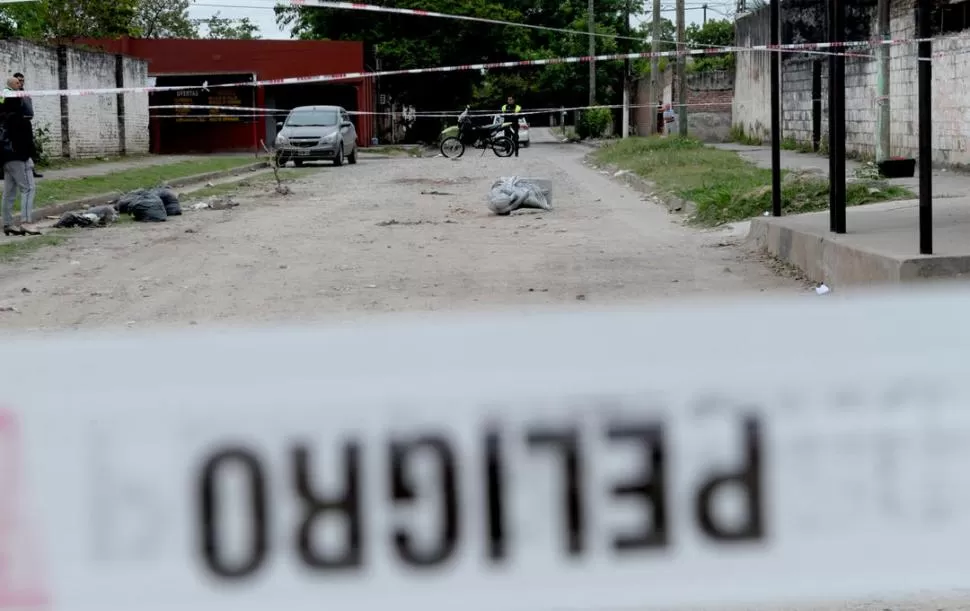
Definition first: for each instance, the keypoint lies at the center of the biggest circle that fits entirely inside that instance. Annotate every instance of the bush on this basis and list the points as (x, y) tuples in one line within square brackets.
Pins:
[(594, 122), (42, 141)]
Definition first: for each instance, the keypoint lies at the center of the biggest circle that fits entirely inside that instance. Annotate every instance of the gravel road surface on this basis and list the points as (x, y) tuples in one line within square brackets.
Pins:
[(385, 235)]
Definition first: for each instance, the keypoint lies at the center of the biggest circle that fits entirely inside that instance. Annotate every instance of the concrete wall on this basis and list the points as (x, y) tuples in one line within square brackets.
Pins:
[(82, 126), (951, 91), (709, 99)]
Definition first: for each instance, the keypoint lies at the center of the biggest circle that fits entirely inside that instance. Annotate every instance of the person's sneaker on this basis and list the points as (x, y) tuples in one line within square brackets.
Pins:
[(38, 174)]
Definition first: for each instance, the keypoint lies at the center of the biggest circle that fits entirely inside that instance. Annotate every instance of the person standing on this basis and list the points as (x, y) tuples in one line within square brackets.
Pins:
[(28, 109), (510, 114), (16, 150)]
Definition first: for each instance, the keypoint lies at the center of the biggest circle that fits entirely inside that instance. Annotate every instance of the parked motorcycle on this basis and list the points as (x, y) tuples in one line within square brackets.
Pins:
[(482, 137)]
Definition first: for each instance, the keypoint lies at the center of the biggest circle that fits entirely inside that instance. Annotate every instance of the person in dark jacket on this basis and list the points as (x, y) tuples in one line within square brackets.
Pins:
[(28, 108), (16, 149)]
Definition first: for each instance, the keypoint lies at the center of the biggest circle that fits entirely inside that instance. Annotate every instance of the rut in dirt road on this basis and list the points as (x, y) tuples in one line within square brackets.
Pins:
[(401, 234)]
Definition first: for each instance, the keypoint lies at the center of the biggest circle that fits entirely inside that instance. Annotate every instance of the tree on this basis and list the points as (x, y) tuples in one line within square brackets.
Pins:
[(69, 19), (668, 43), (403, 42), (72, 19), (715, 33), (164, 19), (223, 27)]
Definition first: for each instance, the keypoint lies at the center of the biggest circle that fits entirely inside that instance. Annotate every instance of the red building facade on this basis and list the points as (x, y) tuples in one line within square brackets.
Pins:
[(192, 62)]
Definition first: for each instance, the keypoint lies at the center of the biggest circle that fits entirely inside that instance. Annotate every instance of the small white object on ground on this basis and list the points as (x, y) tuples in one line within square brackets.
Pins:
[(822, 289)]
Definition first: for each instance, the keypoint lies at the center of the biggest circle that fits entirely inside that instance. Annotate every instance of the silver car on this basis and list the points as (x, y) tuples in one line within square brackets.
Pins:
[(316, 133)]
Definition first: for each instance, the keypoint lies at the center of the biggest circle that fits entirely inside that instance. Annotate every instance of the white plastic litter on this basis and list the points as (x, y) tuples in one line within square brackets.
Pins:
[(822, 289), (511, 193)]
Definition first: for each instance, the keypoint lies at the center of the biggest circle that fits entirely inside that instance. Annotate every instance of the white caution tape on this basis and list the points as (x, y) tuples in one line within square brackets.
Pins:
[(249, 111), (705, 454), (457, 68)]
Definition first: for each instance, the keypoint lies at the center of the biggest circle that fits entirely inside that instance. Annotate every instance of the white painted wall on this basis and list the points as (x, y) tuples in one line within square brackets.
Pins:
[(951, 93), (93, 120)]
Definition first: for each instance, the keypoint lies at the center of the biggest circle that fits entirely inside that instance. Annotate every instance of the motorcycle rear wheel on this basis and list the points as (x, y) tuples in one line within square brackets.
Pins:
[(452, 147), (503, 147)]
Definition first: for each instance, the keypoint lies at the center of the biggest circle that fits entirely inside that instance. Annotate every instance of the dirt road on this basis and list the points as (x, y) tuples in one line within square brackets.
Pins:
[(384, 235), (389, 235)]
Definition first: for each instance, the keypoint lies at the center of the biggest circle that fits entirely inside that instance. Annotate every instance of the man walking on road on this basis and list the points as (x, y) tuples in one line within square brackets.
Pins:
[(510, 112), (28, 108)]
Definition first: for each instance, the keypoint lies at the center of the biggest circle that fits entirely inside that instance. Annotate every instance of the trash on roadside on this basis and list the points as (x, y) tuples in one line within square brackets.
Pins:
[(143, 205), (147, 207), (822, 289), (511, 193), (169, 199), (98, 216), (218, 203), (9, 309)]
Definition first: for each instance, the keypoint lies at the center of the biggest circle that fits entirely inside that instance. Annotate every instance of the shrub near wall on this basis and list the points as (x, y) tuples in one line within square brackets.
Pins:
[(594, 122)]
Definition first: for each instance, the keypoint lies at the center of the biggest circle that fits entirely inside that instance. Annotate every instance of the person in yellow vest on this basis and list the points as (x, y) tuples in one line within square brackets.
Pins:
[(510, 114)]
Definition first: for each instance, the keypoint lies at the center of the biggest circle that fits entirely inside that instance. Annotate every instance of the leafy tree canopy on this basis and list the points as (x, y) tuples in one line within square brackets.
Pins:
[(401, 42), (72, 19)]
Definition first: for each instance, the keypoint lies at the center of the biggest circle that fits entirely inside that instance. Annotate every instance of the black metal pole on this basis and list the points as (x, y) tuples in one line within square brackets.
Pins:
[(830, 14), (925, 129), (775, 108), (838, 179)]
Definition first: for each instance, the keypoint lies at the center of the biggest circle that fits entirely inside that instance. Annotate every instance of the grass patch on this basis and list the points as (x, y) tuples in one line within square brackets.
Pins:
[(52, 191), (741, 137), (12, 249), (62, 163), (724, 186)]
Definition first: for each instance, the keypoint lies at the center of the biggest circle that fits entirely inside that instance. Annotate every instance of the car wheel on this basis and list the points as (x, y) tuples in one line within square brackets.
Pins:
[(339, 160), (525, 144), (298, 163), (281, 160), (352, 157)]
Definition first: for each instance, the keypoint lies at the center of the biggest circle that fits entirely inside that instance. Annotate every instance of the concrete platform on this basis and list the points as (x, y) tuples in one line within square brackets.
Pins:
[(881, 246)]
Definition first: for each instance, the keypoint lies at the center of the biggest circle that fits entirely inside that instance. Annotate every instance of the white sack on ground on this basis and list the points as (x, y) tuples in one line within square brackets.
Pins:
[(511, 193)]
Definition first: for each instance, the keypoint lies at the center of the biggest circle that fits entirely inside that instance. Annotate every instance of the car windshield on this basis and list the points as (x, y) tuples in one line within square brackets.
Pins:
[(308, 118)]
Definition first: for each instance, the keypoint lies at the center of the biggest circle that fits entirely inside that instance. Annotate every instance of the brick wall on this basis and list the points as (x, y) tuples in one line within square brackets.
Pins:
[(951, 92), (709, 100), (82, 126)]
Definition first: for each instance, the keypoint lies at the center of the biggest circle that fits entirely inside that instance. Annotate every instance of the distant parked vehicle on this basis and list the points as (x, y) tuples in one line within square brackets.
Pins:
[(316, 133), (523, 133)]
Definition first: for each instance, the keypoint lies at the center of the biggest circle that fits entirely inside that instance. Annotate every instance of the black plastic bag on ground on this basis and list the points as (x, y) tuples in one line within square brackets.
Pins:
[(124, 202), (99, 216), (147, 208), (170, 200), (75, 218)]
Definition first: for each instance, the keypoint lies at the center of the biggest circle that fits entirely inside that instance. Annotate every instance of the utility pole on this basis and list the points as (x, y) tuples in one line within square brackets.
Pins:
[(592, 52), (883, 139), (625, 122), (656, 89), (681, 70), (705, 15)]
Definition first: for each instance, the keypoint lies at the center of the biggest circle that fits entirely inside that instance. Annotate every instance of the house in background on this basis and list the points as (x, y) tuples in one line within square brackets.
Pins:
[(190, 63)]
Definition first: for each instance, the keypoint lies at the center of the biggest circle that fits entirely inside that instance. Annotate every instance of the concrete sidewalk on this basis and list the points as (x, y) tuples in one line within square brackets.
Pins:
[(110, 167), (882, 241), (945, 183)]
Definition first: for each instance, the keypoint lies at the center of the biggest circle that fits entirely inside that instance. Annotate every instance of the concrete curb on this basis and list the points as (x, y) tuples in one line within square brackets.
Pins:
[(824, 258), (674, 204), (99, 200)]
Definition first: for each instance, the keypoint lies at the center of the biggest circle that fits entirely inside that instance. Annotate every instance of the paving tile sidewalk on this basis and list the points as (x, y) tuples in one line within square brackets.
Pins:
[(111, 167), (945, 183)]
